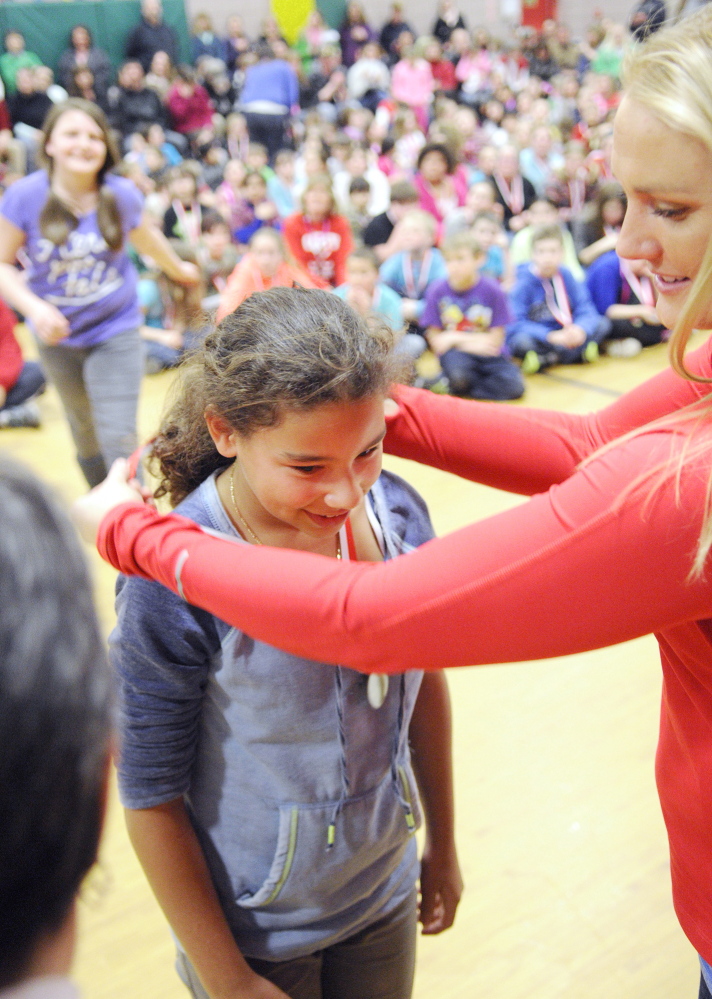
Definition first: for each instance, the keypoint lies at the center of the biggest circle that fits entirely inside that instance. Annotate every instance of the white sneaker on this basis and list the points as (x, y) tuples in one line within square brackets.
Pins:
[(628, 347)]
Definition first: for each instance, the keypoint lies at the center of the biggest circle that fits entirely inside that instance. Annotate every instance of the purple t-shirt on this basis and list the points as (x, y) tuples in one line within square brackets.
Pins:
[(476, 309), (93, 286)]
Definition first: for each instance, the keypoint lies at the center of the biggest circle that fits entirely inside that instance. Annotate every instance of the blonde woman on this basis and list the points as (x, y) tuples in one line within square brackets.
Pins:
[(620, 514)]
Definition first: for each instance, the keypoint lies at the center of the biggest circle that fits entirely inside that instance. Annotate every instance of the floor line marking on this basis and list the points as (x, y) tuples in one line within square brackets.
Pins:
[(601, 389)]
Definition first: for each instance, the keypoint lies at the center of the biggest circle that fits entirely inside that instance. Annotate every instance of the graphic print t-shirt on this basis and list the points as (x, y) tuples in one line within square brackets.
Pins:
[(474, 310), (90, 284)]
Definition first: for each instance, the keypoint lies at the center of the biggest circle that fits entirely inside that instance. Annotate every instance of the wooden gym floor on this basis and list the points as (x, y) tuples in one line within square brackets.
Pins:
[(559, 830)]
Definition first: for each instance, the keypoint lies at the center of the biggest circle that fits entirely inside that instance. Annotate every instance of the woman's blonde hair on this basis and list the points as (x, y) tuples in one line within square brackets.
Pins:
[(671, 76)]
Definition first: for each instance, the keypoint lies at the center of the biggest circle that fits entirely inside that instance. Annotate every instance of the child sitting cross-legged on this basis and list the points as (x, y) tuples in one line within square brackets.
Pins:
[(555, 321), (465, 315)]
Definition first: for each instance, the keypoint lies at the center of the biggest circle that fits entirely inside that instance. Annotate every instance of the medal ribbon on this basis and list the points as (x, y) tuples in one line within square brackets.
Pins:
[(413, 287), (558, 300), (514, 195)]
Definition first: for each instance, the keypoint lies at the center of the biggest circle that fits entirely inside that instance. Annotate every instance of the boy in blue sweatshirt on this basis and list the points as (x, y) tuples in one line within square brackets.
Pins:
[(555, 321)]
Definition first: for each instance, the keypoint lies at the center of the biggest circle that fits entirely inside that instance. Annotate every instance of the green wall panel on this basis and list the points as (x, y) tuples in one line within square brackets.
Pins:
[(46, 26)]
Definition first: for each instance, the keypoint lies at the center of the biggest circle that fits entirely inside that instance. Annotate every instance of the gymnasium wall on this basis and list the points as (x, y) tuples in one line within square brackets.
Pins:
[(421, 13)]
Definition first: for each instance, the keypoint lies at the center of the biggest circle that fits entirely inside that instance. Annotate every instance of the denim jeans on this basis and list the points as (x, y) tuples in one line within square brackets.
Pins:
[(704, 991), (476, 377), (377, 963)]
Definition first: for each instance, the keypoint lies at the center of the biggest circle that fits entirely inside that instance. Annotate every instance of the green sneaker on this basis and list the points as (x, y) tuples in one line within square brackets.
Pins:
[(531, 362), (590, 352)]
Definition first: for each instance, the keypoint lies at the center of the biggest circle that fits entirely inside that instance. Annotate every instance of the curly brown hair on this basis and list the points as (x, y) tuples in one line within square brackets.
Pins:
[(281, 350)]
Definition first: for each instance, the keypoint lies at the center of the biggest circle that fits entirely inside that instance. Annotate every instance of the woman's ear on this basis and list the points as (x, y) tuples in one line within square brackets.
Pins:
[(224, 437)]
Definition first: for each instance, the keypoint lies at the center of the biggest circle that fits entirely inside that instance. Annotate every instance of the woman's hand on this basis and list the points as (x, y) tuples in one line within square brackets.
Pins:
[(48, 323), (117, 488), (441, 888)]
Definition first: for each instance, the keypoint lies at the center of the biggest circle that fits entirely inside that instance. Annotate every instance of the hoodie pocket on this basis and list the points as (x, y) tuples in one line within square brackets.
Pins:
[(309, 868)]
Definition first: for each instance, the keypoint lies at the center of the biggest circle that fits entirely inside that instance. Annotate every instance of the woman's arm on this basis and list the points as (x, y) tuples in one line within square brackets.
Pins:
[(592, 562), (171, 857), (526, 450), (431, 745)]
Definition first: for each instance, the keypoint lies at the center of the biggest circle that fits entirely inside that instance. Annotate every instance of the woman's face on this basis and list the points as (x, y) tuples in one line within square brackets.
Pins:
[(434, 167), (77, 144), (667, 178), (309, 472)]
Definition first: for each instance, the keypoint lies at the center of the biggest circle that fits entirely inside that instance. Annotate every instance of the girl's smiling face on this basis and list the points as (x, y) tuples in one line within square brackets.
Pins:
[(667, 177), (308, 473), (76, 144)]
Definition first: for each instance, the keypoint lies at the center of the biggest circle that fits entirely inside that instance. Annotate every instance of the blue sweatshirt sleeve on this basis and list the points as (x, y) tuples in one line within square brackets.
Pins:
[(161, 650)]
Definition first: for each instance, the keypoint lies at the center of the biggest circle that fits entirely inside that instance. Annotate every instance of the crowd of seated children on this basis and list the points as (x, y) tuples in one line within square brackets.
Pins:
[(398, 149)]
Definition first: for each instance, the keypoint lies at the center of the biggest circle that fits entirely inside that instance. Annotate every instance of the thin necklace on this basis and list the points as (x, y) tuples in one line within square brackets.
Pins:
[(247, 527)]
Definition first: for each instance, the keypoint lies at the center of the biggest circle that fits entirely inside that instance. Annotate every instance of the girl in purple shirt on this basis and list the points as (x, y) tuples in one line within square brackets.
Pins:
[(71, 220)]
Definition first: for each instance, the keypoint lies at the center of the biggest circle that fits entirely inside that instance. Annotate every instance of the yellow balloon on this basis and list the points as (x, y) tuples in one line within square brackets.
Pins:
[(292, 16)]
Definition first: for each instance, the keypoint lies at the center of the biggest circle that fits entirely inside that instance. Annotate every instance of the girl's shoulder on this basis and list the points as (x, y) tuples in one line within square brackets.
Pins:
[(24, 199), (34, 184), (402, 513)]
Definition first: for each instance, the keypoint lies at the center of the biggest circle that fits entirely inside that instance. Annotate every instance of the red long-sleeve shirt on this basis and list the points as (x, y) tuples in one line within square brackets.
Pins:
[(10, 354), (595, 557)]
